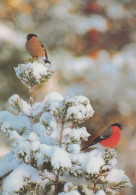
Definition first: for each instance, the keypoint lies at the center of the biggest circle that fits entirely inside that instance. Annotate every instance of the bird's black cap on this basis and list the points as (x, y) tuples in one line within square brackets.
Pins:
[(118, 125), (29, 36)]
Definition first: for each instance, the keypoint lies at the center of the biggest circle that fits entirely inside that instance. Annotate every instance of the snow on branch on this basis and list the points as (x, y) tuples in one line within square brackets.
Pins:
[(33, 73)]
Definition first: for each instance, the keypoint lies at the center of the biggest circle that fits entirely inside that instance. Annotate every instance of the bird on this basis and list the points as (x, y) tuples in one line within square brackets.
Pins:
[(35, 48), (109, 138)]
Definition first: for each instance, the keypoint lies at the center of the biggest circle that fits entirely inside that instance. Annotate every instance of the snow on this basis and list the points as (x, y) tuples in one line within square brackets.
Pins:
[(14, 136), (76, 112), (34, 73), (55, 154), (113, 162), (100, 192), (69, 186), (53, 103), (23, 151), (8, 163), (74, 148), (48, 121), (74, 192), (35, 145), (37, 108), (9, 121), (76, 100), (21, 177), (75, 135), (117, 176), (79, 108), (60, 158), (33, 136), (93, 161), (40, 130), (53, 96), (51, 126), (17, 104)]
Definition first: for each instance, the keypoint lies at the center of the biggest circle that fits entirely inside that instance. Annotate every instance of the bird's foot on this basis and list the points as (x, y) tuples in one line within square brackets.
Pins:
[(33, 59)]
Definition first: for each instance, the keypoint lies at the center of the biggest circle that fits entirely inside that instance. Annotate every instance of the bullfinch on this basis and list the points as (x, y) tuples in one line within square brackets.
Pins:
[(35, 48), (108, 138)]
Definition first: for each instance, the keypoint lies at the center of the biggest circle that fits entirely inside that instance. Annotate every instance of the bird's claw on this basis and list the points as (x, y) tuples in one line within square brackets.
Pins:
[(33, 59)]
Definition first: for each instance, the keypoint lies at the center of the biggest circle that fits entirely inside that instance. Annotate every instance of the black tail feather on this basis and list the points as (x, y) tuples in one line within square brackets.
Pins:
[(47, 61)]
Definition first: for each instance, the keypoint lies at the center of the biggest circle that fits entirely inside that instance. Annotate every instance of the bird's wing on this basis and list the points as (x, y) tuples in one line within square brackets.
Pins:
[(45, 51), (104, 135), (107, 133)]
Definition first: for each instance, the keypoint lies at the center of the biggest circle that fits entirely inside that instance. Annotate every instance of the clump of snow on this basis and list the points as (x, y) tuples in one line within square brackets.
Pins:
[(53, 96), (37, 108), (87, 163), (73, 192), (74, 148), (117, 176), (33, 136), (51, 126), (41, 132), (8, 163), (100, 192), (33, 73), (69, 187), (23, 151), (55, 154), (75, 135), (110, 157), (93, 161), (79, 108), (35, 145), (39, 129), (113, 162), (14, 137), (19, 105), (53, 103), (57, 161), (21, 177), (10, 122)]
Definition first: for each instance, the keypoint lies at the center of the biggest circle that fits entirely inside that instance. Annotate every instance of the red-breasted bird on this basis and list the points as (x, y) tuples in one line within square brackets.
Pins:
[(35, 48), (108, 138)]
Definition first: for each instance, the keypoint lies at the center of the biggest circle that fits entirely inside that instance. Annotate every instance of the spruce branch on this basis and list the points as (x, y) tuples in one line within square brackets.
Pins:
[(60, 144), (31, 92)]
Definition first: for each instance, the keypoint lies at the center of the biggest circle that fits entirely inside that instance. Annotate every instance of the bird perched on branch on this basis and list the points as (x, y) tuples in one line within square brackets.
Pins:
[(108, 138), (35, 48)]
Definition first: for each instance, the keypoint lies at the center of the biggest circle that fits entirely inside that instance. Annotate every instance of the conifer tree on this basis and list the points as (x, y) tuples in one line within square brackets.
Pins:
[(45, 137)]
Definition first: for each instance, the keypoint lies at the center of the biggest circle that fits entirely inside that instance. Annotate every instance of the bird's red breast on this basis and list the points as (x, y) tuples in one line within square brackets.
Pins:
[(113, 140), (35, 48)]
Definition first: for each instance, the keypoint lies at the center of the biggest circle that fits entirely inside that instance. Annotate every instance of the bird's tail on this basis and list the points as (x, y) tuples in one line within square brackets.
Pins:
[(84, 148), (93, 143), (47, 61)]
